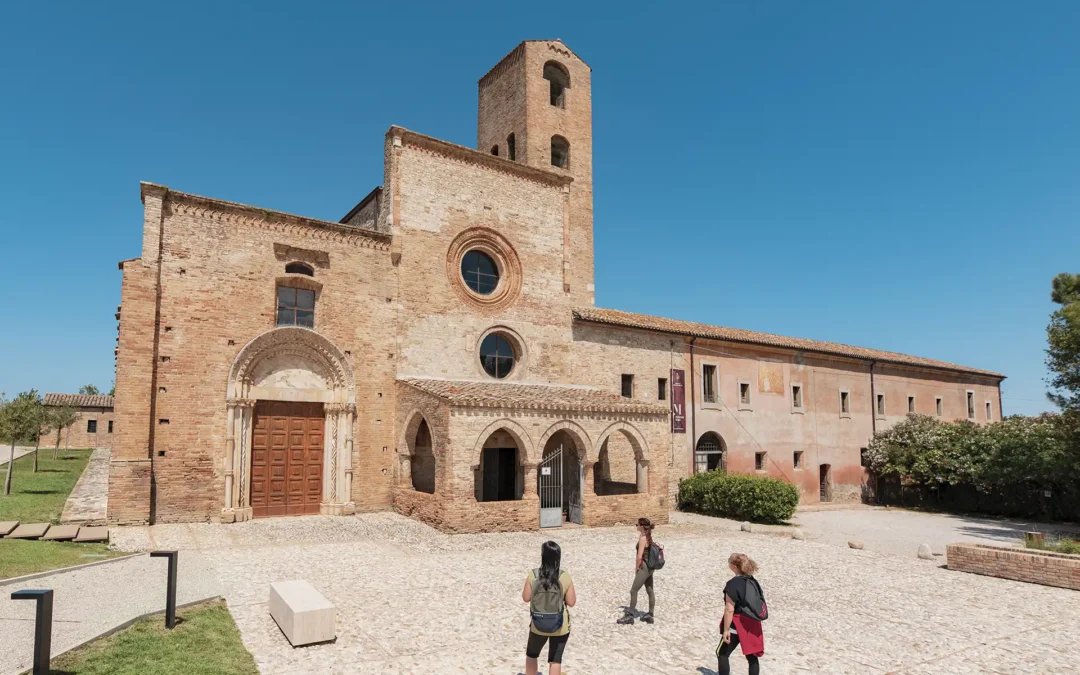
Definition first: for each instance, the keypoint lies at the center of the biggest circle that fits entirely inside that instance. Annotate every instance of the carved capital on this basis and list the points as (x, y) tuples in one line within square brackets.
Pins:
[(340, 407), (240, 403)]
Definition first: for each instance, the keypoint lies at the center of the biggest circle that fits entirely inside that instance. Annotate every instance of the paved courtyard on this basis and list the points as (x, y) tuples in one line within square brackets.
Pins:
[(412, 600)]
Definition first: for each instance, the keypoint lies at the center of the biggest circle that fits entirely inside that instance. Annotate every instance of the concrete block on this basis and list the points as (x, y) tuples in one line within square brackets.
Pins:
[(7, 527), (93, 534), (302, 613), (59, 532), (28, 531)]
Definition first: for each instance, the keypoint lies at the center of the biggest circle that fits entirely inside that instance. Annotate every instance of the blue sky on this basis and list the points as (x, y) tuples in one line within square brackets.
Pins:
[(894, 175)]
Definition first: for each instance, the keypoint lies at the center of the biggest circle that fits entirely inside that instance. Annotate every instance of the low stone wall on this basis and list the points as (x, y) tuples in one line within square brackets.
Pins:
[(608, 510), (1020, 564)]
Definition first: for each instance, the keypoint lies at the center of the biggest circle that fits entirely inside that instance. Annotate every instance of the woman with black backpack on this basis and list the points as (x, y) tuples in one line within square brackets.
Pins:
[(549, 592), (643, 572), (744, 610)]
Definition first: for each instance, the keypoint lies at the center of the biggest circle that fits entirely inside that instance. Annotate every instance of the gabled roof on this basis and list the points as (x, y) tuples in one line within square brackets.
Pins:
[(79, 400), (470, 394), (693, 329)]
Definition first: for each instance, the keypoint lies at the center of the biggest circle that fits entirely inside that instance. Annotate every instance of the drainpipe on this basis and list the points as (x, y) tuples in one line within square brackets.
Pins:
[(693, 411), (873, 399)]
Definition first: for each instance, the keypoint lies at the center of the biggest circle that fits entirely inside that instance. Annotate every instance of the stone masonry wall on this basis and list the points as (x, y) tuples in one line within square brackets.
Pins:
[(1036, 567), (78, 436)]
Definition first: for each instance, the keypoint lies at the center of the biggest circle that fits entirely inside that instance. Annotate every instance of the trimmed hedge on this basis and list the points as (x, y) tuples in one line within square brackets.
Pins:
[(739, 496)]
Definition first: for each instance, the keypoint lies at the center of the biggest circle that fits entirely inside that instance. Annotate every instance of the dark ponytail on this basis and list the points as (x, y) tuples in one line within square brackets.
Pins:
[(646, 525), (550, 558)]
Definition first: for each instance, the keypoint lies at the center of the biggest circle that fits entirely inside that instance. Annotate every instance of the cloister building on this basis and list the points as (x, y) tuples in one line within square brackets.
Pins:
[(438, 351)]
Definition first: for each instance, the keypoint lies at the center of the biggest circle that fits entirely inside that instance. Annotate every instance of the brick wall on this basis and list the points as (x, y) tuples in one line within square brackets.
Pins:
[(1036, 567), (78, 435)]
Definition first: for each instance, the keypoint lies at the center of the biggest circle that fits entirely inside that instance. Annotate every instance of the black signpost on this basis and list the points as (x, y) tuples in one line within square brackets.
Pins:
[(42, 627), (170, 593)]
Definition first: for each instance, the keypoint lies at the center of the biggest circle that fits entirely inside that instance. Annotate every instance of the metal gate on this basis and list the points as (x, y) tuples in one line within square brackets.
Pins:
[(574, 505), (551, 489)]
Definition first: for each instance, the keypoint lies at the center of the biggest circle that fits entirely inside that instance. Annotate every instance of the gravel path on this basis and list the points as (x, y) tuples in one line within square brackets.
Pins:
[(901, 532), (412, 600), (89, 499), (93, 600), (19, 452)]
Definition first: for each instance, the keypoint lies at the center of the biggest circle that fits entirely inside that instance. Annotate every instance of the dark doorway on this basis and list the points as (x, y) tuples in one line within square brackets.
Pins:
[(825, 489), (500, 474)]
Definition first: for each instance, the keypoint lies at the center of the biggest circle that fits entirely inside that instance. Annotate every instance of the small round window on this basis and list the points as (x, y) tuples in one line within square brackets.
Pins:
[(480, 272), (497, 355)]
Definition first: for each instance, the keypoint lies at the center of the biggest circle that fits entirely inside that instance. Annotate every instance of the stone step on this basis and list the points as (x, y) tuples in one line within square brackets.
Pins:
[(7, 527), (29, 531), (61, 532), (93, 534)]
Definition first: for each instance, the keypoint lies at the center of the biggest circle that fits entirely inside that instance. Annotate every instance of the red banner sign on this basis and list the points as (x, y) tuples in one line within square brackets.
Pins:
[(678, 402)]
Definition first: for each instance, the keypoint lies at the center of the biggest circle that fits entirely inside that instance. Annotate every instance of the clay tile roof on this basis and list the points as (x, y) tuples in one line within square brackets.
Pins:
[(80, 400), (530, 396), (701, 330)]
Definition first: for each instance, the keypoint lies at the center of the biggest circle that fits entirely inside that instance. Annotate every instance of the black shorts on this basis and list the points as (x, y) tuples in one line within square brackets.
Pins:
[(555, 649)]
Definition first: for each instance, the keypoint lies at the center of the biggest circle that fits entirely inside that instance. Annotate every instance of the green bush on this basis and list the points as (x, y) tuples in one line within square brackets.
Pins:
[(743, 497)]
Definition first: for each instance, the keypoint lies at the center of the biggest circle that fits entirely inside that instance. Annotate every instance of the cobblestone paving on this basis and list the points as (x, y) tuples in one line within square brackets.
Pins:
[(89, 499), (411, 600)]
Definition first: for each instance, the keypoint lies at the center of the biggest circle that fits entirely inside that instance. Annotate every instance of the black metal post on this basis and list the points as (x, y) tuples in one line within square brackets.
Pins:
[(42, 627), (170, 594)]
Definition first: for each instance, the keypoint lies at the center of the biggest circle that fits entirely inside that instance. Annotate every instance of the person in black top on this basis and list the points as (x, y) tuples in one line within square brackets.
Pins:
[(734, 595)]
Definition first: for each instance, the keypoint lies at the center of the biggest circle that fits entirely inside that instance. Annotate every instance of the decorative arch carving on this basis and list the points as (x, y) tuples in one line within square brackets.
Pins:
[(316, 351), (637, 440), (581, 438), (521, 437)]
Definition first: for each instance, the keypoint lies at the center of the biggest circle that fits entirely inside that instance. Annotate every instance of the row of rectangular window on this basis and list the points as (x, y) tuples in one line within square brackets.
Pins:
[(709, 395)]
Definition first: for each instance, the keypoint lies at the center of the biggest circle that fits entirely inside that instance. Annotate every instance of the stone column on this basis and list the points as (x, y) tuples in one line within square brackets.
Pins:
[(590, 488), (643, 476), (530, 480), (243, 415), (227, 513), (337, 471)]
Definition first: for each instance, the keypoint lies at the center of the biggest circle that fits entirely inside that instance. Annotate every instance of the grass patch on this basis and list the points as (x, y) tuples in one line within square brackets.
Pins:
[(1062, 545), (205, 641), (21, 556), (39, 497)]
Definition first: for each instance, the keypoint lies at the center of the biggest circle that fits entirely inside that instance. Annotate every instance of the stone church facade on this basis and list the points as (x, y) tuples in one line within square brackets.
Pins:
[(438, 351)]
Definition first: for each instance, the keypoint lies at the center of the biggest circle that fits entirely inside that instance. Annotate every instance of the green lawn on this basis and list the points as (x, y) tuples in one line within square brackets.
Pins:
[(39, 498), (205, 641), (21, 556)]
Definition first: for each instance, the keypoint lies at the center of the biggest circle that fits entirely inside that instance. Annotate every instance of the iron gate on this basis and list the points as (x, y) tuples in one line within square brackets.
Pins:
[(551, 489), (574, 505)]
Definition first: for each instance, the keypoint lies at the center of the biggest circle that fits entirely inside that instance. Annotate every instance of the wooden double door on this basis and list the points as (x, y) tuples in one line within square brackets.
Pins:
[(286, 458)]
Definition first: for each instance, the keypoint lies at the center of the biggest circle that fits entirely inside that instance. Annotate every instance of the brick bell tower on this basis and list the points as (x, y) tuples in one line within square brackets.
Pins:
[(536, 108)]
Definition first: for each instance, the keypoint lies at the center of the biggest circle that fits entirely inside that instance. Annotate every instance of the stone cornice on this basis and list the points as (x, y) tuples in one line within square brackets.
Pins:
[(479, 158), (183, 203)]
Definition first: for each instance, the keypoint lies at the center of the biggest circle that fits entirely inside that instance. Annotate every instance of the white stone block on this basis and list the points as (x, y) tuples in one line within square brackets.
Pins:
[(302, 613)]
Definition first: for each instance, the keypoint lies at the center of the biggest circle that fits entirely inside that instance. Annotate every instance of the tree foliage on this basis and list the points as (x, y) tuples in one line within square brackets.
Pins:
[(20, 422), (60, 418), (1063, 342), (89, 389), (1019, 459)]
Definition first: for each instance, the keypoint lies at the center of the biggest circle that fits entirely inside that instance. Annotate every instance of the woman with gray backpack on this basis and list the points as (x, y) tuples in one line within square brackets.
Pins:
[(549, 592), (648, 557)]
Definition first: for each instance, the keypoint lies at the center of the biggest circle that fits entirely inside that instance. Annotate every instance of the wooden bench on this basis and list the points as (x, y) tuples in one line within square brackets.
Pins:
[(301, 612)]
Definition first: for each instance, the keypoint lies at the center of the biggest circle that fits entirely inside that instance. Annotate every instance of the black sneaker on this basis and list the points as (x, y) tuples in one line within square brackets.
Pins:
[(648, 618), (626, 620)]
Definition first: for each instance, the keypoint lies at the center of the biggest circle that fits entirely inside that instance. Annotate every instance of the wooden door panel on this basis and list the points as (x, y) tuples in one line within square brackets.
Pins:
[(286, 458)]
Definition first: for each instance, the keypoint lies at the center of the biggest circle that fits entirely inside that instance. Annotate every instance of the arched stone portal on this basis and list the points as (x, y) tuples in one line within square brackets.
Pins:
[(294, 365), (561, 480)]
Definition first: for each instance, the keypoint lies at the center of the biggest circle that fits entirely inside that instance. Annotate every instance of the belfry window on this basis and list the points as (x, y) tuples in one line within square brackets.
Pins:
[(558, 81), (560, 152), (295, 307), (511, 147), (495, 150), (299, 268)]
